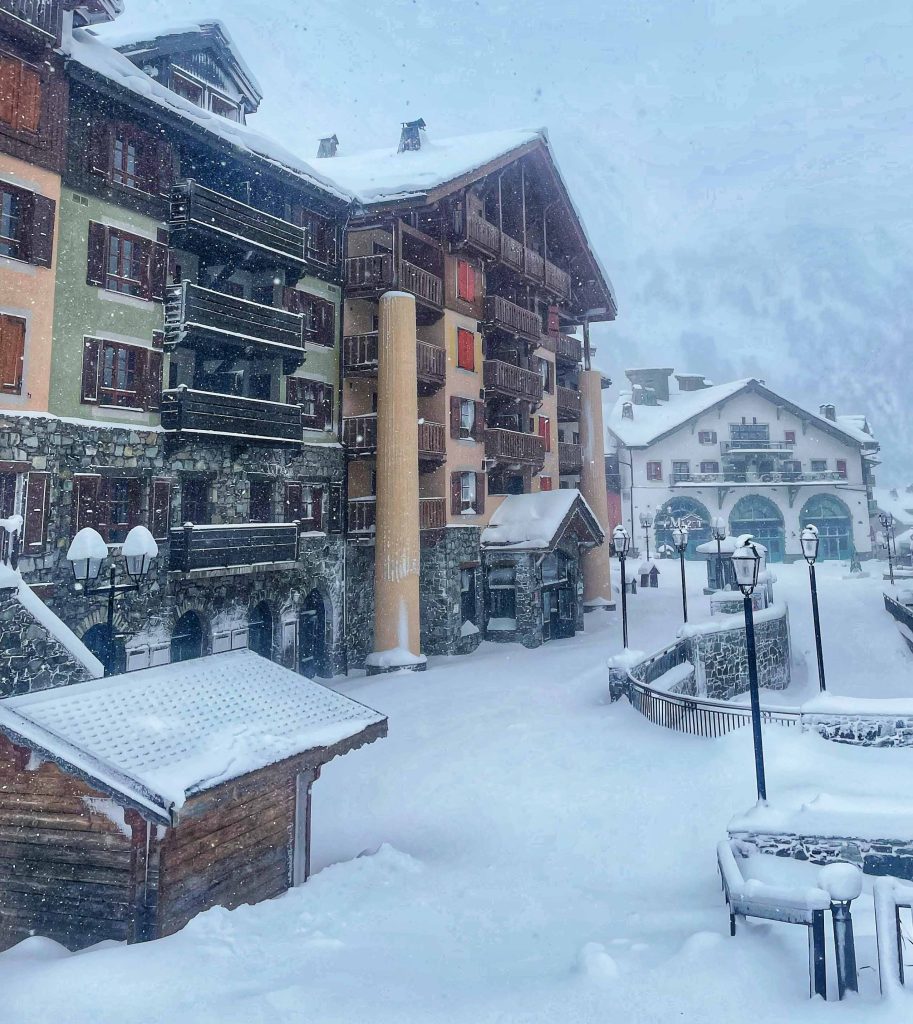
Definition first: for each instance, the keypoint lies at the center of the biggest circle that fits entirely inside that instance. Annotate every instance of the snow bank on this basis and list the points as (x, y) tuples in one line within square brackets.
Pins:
[(396, 657)]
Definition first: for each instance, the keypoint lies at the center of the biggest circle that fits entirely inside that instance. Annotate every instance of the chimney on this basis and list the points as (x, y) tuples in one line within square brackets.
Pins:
[(411, 136), (692, 382), (652, 379), (327, 147), (829, 412)]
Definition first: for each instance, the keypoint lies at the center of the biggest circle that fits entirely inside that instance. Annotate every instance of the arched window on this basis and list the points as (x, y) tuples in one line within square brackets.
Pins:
[(187, 638), (687, 512), (312, 651), (834, 522), (760, 517), (260, 630)]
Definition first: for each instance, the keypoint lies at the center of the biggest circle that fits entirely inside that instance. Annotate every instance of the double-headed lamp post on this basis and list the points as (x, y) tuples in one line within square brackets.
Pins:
[(887, 524), (746, 561), (87, 554), (646, 521), (622, 542), (680, 540), (810, 551), (719, 535)]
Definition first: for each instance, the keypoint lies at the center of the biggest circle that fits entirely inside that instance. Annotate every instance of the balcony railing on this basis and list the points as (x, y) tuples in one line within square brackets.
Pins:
[(483, 233), (570, 458), (557, 280), (507, 379), (235, 224), (192, 311), (362, 515), (431, 443), (512, 251), (221, 547), (507, 315), (569, 349), (731, 477), (534, 265), (369, 275), (360, 358), (568, 403), (513, 446), (359, 435), (37, 16), (223, 417), (745, 447), (431, 363), (432, 513)]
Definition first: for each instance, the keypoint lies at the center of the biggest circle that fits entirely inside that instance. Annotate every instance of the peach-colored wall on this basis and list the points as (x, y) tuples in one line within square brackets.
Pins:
[(549, 408), (462, 455), (27, 291)]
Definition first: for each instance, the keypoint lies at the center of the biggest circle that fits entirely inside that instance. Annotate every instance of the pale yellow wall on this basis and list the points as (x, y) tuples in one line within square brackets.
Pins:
[(549, 408), (462, 455), (27, 291)]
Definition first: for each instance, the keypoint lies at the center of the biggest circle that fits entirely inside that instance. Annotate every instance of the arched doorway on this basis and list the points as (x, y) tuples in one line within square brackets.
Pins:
[(688, 512), (834, 523), (260, 630), (187, 638), (312, 659), (100, 641), (760, 517)]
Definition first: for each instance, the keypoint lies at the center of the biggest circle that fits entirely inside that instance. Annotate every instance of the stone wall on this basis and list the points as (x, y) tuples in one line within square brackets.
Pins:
[(444, 553), (865, 728), (875, 856)]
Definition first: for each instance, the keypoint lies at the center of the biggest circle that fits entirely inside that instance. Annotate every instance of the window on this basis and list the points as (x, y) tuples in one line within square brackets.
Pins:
[(789, 436), (467, 492), (187, 88), (319, 315), (319, 237), (467, 417), (261, 501), (20, 95), (706, 437), (466, 281), (791, 466), (710, 467), (546, 376), (681, 469), (545, 432), (126, 263), (125, 155), (311, 507), (26, 225), (545, 483), (125, 162), (224, 108), (466, 349), (743, 432), (841, 467), (315, 399), (195, 501), (126, 376), (12, 353), (654, 471), (819, 465), (110, 505), (502, 592), (10, 204)]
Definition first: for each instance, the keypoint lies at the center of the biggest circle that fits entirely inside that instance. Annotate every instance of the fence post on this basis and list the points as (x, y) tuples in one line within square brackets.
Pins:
[(817, 965), (844, 947)]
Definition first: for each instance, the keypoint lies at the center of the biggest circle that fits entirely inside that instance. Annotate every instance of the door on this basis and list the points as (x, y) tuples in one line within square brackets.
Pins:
[(312, 637), (301, 850), (567, 612)]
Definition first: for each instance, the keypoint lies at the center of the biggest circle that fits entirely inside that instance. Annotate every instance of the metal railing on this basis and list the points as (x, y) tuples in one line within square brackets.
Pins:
[(778, 477), (757, 446), (43, 15)]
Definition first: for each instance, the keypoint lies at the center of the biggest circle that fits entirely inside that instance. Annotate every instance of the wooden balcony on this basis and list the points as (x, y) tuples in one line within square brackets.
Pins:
[(360, 359), (568, 404), (508, 316), (222, 547), (34, 21), (371, 275), (193, 313), (431, 443), (513, 381), (570, 458), (362, 515), (224, 418), (483, 235), (512, 252), (513, 447), (200, 218), (432, 513), (359, 435), (557, 280), (534, 266), (568, 349)]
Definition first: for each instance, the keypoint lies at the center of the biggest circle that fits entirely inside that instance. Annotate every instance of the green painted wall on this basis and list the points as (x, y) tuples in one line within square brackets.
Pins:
[(82, 310)]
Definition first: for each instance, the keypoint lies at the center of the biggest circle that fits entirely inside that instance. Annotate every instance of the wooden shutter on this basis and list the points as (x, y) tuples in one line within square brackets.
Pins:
[(144, 250), (465, 349), (160, 508), (37, 505), (100, 148), (455, 405), (90, 355), (480, 493), (293, 390), (334, 514), (326, 404), (478, 421), (153, 388), (85, 509), (98, 244), (545, 432), (12, 353), (29, 113), (39, 241), (553, 325), (9, 89), (323, 321), (292, 503), (158, 271), (291, 299), (456, 500)]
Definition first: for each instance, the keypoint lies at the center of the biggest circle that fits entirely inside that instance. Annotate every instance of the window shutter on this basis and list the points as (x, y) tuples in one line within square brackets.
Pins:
[(85, 502), (317, 496), (12, 352), (292, 505), (154, 362), (291, 299), (145, 254), (98, 244), (29, 118), (334, 516), (158, 271), (160, 508), (37, 505), (478, 422), (293, 390), (9, 89), (553, 325), (480, 493), (90, 354), (100, 147), (326, 401), (456, 501), (455, 406), (41, 239)]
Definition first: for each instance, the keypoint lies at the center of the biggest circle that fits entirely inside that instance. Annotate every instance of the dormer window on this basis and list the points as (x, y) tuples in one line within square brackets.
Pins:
[(203, 95), (188, 88), (224, 108)]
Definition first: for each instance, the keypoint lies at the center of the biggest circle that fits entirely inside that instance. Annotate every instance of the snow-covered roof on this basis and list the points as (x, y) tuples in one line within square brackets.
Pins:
[(86, 48), (857, 425), (160, 735), (534, 521), (896, 500)]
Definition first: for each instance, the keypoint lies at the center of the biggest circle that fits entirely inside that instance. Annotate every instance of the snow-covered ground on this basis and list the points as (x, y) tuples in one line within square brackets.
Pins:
[(535, 854)]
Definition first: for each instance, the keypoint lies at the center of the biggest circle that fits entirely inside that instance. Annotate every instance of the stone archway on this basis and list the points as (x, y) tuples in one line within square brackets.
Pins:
[(108, 646), (187, 637)]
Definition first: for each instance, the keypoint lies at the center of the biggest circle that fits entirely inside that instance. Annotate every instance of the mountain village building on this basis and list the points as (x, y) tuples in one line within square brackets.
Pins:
[(694, 452)]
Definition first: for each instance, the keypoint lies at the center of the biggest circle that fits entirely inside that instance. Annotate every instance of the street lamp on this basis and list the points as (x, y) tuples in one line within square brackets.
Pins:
[(719, 535), (810, 541), (646, 521), (887, 524), (622, 542), (680, 540), (746, 561), (86, 555)]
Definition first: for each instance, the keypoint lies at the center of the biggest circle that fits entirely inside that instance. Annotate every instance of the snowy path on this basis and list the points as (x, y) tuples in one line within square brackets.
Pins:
[(550, 859)]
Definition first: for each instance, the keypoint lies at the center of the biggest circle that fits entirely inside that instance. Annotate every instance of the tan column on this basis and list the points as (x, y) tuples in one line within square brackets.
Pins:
[(396, 551), (597, 585)]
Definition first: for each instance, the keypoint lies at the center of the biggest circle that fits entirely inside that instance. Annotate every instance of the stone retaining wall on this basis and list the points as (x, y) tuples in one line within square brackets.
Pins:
[(874, 856)]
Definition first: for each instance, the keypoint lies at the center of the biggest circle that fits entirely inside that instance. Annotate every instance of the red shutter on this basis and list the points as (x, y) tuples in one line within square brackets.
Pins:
[(456, 501), (12, 353), (90, 354), (153, 390), (455, 404), (465, 349), (98, 244), (292, 506), (158, 271), (480, 493), (85, 509), (100, 147), (326, 402), (553, 324), (160, 508), (545, 432), (37, 505)]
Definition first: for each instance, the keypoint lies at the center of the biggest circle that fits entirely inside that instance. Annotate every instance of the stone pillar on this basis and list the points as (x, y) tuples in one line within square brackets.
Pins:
[(597, 583), (396, 548)]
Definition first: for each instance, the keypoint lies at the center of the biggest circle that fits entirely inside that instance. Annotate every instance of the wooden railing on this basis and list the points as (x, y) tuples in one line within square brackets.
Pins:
[(568, 348), (221, 417), (483, 233), (431, 363), (360, 356), (513, 446), (501, 312), (214, 547), (43, 15), (192, 310), (534, 265), (359, 433), (570, 457), (568, 401), (377, 273), (557, 280), (431, 443), (512, 380), (362, 514), (421, 283), (512, 251), (432, 513)]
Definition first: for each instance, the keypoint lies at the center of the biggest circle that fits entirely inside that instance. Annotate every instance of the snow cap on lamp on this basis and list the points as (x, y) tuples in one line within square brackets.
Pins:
[(621, 540), (138, 550), (86, 553), (809, 538), (746, 563)]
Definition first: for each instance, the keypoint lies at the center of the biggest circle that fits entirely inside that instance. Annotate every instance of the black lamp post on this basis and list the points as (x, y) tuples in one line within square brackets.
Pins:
[(680, 540), (646, 521), (86, 555), (622, 542), (746, 561), (810, 542), (719, 535), (887, 524)]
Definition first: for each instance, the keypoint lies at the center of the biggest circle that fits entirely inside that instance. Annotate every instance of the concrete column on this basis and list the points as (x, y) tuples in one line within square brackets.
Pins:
[(397, 550), (597, 583)]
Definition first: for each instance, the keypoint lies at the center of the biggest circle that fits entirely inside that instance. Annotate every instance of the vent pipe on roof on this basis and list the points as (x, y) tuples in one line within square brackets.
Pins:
[(829, 412), (327, 147), (411, 136)]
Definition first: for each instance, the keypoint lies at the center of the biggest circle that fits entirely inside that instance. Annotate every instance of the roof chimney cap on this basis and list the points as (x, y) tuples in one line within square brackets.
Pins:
[(328, 146), (828, 412), (411, 136)]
